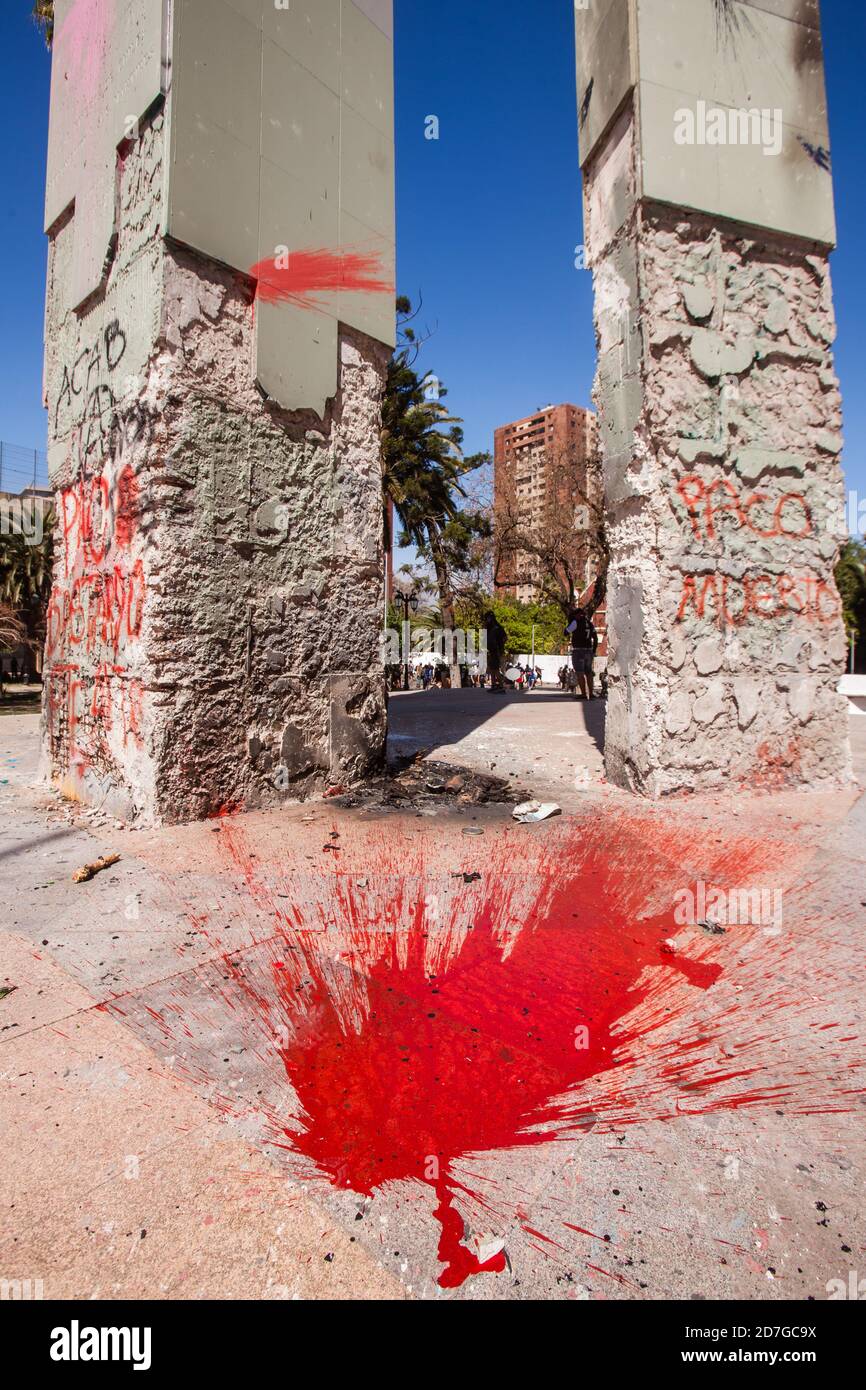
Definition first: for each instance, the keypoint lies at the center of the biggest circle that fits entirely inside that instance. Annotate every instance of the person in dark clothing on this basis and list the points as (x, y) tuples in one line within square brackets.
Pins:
[(495, 649), (584, 645)]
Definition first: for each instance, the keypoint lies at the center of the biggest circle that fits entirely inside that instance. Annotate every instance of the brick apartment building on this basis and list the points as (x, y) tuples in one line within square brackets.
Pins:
[(540, 473)]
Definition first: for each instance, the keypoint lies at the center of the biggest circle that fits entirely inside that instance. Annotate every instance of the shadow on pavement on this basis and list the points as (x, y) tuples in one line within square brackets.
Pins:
[(436, 717)]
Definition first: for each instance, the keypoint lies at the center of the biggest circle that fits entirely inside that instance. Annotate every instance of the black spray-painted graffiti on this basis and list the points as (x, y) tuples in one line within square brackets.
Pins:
[(103, 427), (100, 359)]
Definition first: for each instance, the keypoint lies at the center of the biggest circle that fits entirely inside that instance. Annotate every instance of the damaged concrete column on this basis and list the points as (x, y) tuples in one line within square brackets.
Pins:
[(708, 222), (220, 311)]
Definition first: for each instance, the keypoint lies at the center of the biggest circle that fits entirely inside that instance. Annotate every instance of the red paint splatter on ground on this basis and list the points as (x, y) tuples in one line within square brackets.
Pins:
[(470, 1055), (407, 1021), (311, 274)]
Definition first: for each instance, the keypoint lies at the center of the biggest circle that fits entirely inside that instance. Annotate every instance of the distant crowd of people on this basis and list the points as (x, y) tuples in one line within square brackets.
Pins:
[(14, 672), (438, 677), (575, 677)]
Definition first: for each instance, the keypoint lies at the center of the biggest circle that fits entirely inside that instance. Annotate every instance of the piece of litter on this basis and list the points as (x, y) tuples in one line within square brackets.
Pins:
[(89, 871), (536, 810), (488, 1247), (6, 990)]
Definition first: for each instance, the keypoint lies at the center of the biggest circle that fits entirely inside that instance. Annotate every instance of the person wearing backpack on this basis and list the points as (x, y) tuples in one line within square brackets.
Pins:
[(584, 645)]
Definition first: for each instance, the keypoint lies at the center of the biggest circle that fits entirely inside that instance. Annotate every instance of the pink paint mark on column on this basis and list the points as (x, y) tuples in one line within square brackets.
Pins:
[(81, 44), (310, 274)]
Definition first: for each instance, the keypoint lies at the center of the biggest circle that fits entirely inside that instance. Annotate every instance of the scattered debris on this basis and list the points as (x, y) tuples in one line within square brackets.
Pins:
[(413, 782), (105, 861), (6, 990), (468, 878), (536, 810)]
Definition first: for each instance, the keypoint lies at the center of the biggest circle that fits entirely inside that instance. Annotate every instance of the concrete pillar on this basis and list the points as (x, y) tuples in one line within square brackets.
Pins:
[(220, 311), (708, 224)]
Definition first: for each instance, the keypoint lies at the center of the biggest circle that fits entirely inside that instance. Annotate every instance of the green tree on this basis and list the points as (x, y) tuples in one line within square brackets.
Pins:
[(518, 620), (851, 583), (450, 547)]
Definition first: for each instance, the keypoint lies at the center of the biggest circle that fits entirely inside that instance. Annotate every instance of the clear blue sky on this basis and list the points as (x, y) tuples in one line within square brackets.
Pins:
[(488, 216)]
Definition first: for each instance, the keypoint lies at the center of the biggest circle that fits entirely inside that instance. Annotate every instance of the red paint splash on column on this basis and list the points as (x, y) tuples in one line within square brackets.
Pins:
[(313, 273)]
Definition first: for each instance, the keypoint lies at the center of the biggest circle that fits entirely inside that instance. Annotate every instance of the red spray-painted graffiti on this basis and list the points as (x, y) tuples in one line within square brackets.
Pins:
[(307, 275), (97, 606), (789, 516), (115, 702), (96, 516), (94, 701), (94, 618), (734, 601)]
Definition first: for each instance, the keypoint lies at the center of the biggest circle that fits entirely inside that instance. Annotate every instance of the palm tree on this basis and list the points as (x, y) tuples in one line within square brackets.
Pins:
[(43, 13), (25, 582), (422, 461)]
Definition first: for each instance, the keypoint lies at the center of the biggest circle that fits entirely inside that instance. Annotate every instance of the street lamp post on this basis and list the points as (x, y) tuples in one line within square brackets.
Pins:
[(409, 602)]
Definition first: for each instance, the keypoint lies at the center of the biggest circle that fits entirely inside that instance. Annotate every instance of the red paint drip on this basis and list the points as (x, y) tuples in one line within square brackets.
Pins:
[(311, 274), (459, 1261)]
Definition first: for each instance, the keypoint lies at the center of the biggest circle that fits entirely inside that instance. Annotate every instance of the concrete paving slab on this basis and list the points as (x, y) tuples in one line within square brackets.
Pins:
[(380, 1016)]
